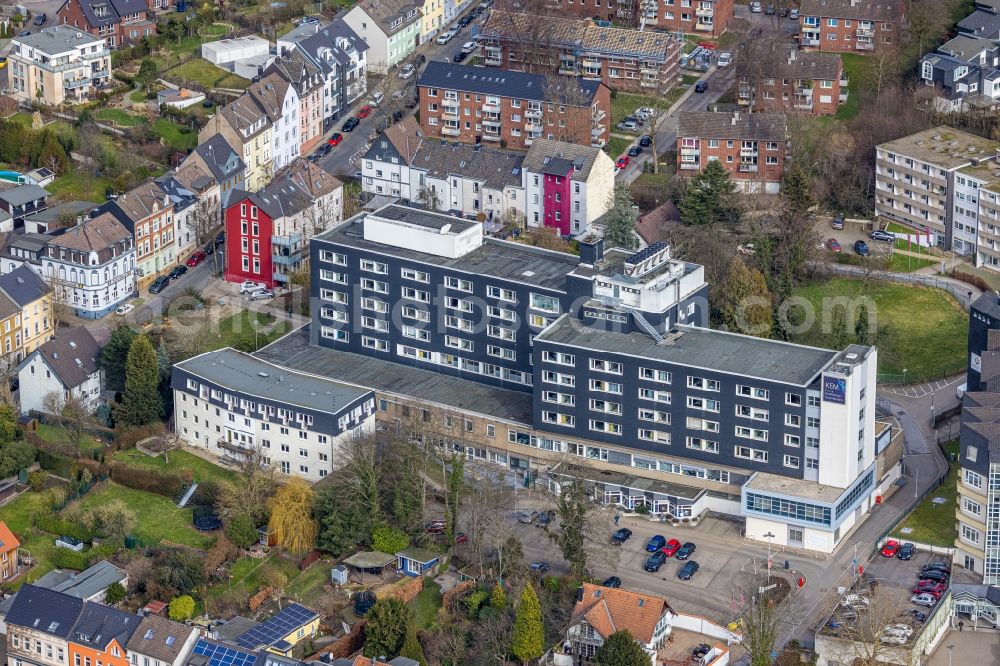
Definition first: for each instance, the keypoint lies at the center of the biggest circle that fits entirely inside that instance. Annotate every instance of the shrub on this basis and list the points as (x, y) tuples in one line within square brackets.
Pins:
[(974, 280), (115, 594), (168, 484), (241, 531), (207, 494), (53, 524), (474, 601), (181, 608), (37, 479), (388, 540)]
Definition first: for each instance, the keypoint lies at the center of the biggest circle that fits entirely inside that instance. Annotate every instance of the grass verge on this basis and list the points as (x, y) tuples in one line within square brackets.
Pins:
[(177, 461), (858, 70), (933, 522)]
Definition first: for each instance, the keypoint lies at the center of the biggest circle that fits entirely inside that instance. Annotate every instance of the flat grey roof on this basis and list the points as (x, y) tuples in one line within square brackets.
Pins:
[(786, 485), (252, 376), (424, 218), (630, 481), (503, 259), (702, 348), (294, 351), (23, 194), (58, 39), (83, 584)]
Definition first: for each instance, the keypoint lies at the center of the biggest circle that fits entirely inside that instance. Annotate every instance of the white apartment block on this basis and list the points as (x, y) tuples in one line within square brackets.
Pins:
[(227, 403), (56, 65)]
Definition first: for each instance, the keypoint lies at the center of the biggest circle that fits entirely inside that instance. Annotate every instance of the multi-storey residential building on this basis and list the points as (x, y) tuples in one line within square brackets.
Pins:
[(158, 641), (624, 60), (279, 100), (601, 611), (22, 249), (391, 28), (228, 403), (431, 18), (117, 22), (471, 104), (101, 634), (65, 366), (851, 26), (33, 296), (268, 232), (751, 146), (39, 626), (307, 81), (247, 128), (215, 155), (567, 186), (619, 374), (194, 198), (147, 212), (25, 200), (964, 70), (92, 266), (778, 77), (709, 18), (942, 183), (342, 58), (11, 338), (56, 65)]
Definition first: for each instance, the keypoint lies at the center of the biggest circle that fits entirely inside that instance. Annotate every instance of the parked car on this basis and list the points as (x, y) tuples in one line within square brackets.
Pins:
[(935, 575), (220, 238), (445, 37), (838, 222), (627, 126), (939, 566), (930, 587), (209, 249), (249, 286), (634, 151), (861, 248), (685, 551), (923, 599), (622, 162), (688, 571), (539, 567), (756, 7), (701, 86), (672, 547), (906, 551), (882, 236), (612, 581), (852, 600), (645, 141), (325, 149), (123, 310), (725, 60), (526, 517), (793, 13), (655, 561), (770, 10), (621, 536), (335, 140), (364, 111), (3, 61), (890, 548), (656, 543), (833, 246), (918, 616), (890, 639), (406, 71), (196, 259), (24, 33), (460, 56), (545, 517), (178, 271), (350, 124), (434, 527), (261, 295), (40, 19), (461, 537), (159, 284), (469, 47)]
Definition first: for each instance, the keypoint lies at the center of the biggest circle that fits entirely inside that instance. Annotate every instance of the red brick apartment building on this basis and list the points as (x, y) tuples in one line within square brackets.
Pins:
[(750, 145), (779, 77), (473, 104), (698, 17), (850, 26), (625, 60), (116, 21)]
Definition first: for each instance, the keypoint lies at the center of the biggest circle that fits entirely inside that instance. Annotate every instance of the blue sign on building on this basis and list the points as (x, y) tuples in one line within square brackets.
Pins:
[(834, 389)]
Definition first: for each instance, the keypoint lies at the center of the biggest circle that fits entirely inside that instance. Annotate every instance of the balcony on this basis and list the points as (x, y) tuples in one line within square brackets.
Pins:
[(487, 136), (749, 168), (703, 27), (491, 60), (450, 104), (843, 96), (596, 132), (492, 123), (567, 69), (533, 113), (598, 143), (690, 151), (590, 62), (533, 124), (804, 103), (598, 116), (844, 80), (865, 32), (704, 11), (591, 73), (809, 41), (864, 46), (235, 447), (72, 84), (491, 107), (748, 152), (279, 277), (646, 83), (450, 131), (803, 90), (288, 240), (649, 71), (289, 258), (689, 166)]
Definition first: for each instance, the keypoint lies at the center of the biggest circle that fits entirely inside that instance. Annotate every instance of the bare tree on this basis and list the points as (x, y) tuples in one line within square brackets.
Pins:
[(870, 629), (71, 417), (488, 513), (251, 491), (204, 220), (429, 197), (8, 371), (765, 608), (365, 467)]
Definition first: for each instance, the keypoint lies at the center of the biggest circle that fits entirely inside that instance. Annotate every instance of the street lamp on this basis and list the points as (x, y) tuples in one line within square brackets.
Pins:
[(769, 536), (950, 648), (255, 332), (904, 376)]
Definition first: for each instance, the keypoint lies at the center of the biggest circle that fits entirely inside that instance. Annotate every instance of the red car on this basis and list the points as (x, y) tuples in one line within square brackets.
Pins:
[(335, 139), (930, 587), (365, 111), (672, 547), (461, 537), (891, 546), (196, 259), (434, 527), (622, 162), (833, 246)]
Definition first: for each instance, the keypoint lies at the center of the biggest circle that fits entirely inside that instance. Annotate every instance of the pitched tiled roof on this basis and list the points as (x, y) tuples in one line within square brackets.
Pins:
[(217, 153), (385, 12), (609, 610), (544, 149), (496, 168), (655, 225), (160, 638), (71, 355), (294, 189), (865, 10), (269, 93), (243, 113), (44, 610), (93, 235), (503, 83), (750, 126), (405, 136), (8, 308), (297, 69), (141, 201), (8, 541), (328, 43), (99, 625), (23, 285), (785, 61)]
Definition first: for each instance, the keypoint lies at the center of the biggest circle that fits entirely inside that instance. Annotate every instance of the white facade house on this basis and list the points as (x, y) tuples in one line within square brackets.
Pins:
[(65, 366), (158, 641), (227, 403), (92, 266), (591, 173), (391, 28), (280, 101)]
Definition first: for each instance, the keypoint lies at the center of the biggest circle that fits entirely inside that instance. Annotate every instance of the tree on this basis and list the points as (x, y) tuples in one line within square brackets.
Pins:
[(388, 540), (429, 197), (73, 417), (114, 355), (8, 424), (181, 608), (862, 330), (582, 531), (147, 74), (865, 631), (141, 403), (498, 596), (251, 491), (115, 594), (113, 520), (241, 531), (761, 617), (710, 197), (292, 522), (343, 523), (528, 638), (796, 197), (746, 302), (454, 484), (388, 622), (619, 221), (620, 649), (412, 649), (14, 457), (180, 570)]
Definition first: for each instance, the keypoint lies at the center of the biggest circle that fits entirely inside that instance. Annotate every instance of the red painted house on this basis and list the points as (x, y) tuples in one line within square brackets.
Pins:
[(557, 176)]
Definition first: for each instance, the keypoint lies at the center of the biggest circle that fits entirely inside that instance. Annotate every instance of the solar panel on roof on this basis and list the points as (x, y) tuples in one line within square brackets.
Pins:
[(223, 655), (646, 252), (275, 629)]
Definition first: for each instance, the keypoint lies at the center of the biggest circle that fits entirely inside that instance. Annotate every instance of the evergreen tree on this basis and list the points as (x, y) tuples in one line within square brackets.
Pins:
[(412, 649), (862, 327), (619, 221), (8, 424), (572, 507), (528, 639), (710, 197), (498, 596), (796, 195), (147, 73), (620, 649), (141, 402), (114, 355), (838, 328), (388, 623), (51, 153), (342, 523), (746, 302)]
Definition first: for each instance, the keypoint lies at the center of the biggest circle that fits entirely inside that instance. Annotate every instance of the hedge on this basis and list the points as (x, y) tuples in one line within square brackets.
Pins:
[(53, 524), (64, 558), (169, 484)]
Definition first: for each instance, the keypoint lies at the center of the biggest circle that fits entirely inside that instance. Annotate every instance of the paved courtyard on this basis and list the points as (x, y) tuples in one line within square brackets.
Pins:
[(969, 647)]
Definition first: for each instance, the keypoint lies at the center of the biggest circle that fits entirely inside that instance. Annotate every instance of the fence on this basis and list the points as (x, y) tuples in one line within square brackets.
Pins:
[(959, 291)]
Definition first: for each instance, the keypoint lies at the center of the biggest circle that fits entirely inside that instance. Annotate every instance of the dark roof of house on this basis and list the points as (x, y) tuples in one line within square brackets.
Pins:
[(234, 628), (294, 189), (8, 307), (217, 154), (160, 638), (83, 584), (93, 235), (297, 69), (405, 136), (45, 610), (72, 356), (98, 625), (271, 632), (751, 126), (503, 83), (385, 12), (989, 303), (96, 18), (328, 44), (22, 194), (655, 225), (496, 168), (966, 47), (781, 60), (269, 93), (981, 24), (543, 151), (865, 10), (138, 203)]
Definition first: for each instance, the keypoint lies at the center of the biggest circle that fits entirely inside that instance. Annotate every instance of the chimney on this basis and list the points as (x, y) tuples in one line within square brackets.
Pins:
[(791, 56), (736, 118), (591, 250)]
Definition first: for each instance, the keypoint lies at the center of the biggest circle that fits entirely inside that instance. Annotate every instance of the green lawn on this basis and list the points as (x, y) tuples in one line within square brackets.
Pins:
[(177, 461), (904, 263), (307, 588), (240, 324), (934, 522), (858, 70), (137, 96), (250, 573), (120, 117), (929, 329), (18, 516), (690, 79), (82, 186), (21, 118), (426, 604), (157, 517), (617, 146), (55, 435), (623, 104), (205, 74), (176, 136)]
